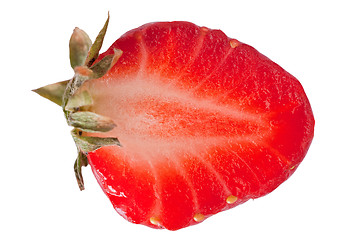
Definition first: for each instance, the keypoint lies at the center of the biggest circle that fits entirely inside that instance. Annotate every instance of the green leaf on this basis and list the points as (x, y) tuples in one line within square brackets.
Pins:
[(89, 144), (81, 161), (90, 122), (79, 47), (54, 92), (95, 48)]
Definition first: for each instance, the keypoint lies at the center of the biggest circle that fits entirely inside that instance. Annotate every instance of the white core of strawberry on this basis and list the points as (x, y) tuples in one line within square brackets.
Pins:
[(157, 117)]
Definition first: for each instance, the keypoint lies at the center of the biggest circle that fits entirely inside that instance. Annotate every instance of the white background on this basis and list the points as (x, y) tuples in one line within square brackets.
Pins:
[(316, 41)]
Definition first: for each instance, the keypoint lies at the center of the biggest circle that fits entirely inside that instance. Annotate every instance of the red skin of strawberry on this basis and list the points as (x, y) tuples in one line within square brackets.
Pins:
[(201, 118)]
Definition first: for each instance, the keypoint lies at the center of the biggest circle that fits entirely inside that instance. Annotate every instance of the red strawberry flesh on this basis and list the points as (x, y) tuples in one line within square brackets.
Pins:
[(201, 118)]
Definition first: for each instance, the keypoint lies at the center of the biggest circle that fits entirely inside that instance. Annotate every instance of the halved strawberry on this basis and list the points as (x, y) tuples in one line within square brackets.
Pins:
[(204, 122)]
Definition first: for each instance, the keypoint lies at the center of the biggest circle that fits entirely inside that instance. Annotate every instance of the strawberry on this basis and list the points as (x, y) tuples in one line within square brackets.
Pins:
[(180, 122)]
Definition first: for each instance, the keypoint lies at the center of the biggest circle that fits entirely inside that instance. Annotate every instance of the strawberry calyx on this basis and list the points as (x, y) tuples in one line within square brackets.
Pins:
[(76, 104)]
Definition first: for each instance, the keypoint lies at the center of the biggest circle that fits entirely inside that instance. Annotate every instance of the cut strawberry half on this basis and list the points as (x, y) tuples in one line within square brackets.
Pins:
[(179, 122)]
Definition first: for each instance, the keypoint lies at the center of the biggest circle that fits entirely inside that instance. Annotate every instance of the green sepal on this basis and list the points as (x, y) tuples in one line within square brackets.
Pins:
[(90, 122), (78, 100), (54, 92), (81, 161), (95, 48), (72, 97), (79, 46), (89, 144), (100, 68)]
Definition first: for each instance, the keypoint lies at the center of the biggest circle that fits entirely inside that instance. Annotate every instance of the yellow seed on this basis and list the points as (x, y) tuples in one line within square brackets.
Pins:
[(155, 221), (234, 43), (199, 217), (204, 29), (231, 199)]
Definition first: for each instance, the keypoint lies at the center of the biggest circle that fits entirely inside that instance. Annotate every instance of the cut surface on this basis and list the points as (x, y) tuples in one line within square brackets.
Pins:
[(205, 123)]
